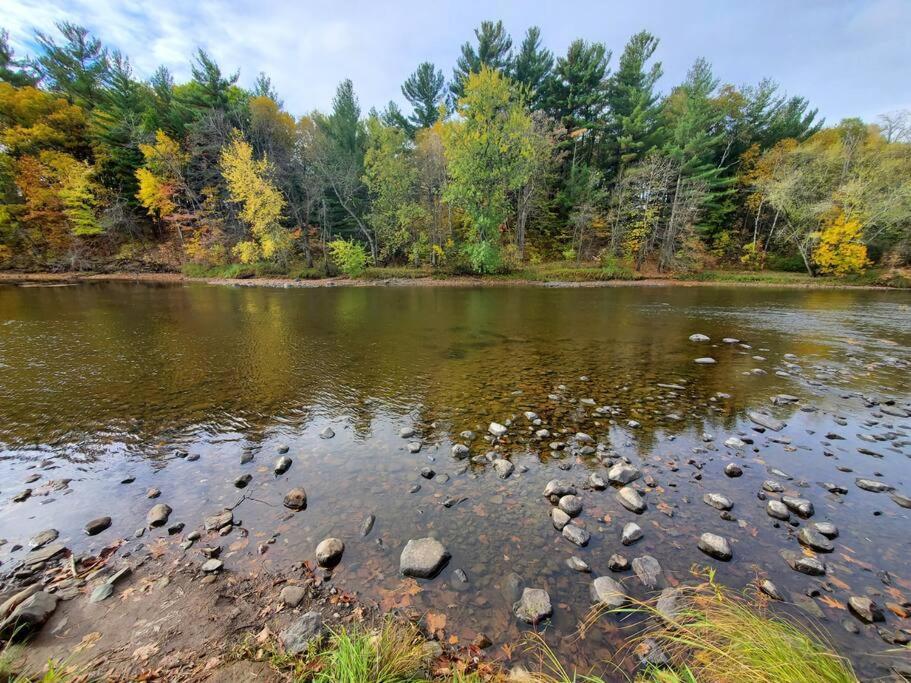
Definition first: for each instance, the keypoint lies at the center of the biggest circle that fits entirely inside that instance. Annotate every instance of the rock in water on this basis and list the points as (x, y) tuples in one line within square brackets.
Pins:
[(503, 468), (666, 606), (96, 526), (698, 338), (815, 540), (732, 470), (631, 500), (459, 451), (632, 532), (799, 506), (557, 488), (605, 591), (219, 521), (295, 499), (771, 590), (534, 606), (803, 564), (242, 481), (577, 564), (576, 534), (327, 433), (423, 558), (705, 361), (158, 516), (367, 525), (212, 566), (717, 501), (648, 570), (559, 518), (596, 481), (298, 637), (43, 538), (873, 486), (496, 429), (571, 505), (865, 609), (777, 510), (282, 465), (715, 546), (621, 473), (766, 421), (329, 552)]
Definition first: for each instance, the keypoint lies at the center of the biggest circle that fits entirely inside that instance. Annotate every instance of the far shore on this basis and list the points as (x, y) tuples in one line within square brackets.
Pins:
[(14, 277)]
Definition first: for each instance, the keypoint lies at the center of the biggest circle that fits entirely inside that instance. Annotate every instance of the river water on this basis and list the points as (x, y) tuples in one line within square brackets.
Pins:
[(106, 382)]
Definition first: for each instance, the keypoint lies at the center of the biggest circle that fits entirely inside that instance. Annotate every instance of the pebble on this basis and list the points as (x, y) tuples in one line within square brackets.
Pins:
[(733, 470), (503, 468), (327, 433), (576, 534), (705, 361), (292, 596), (282, 465), (715, 546), (632, 532), (717, 501), (577, 564), (212, 566), (158, 515), (295, 499), (617, 563), (865, 609), (329, 552), (571, 505), (631, 500)]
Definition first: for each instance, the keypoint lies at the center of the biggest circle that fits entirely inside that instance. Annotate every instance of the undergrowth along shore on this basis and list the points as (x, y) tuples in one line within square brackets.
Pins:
[(562, 271), (712, 635)]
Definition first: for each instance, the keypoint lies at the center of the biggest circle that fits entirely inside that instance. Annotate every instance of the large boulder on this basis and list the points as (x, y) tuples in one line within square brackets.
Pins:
[(29, 616)]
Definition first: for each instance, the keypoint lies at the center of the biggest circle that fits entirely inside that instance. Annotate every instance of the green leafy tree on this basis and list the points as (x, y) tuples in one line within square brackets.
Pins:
[(488, 153)]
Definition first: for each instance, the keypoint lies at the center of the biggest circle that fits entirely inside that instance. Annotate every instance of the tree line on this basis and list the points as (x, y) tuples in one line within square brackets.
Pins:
[(521, 156)]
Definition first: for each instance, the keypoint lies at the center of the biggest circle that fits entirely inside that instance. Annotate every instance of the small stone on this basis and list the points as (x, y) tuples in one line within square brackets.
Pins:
[(329, 552), (497, 429), (242, 481), (153, 493), (777, 510), (414, 446), (557, 488), (367, 525), (803, 564), (282, 465), (873, 486), (629, 498), (715, 546), (617, 563), (577, 564), (865, 609), (571, 505), (813, 539), (43, 538), (220, 521), (29, 616), (734, 442), (306, 631), (771, 590), (596, 481), (503, 467), (733, 470), (102, 592), (621, 473), (576, 534), (423, 558), (212, 566), (158, 516), (327, 433), (705, 361), (292, 596), (559, 518), (608, 592), (666, 606), (96, 526), (481, 641), (632, 532), (766, 421), (427, 473), (459, 451), (717, 501), (772, 486), (698, 338), (406, 432), (534, 606), (799, 506), (295, 499)]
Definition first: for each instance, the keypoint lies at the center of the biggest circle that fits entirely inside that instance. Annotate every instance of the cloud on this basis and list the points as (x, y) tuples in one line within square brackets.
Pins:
[(848, 57)]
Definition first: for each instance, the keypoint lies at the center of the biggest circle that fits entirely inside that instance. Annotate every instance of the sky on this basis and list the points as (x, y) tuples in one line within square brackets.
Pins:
[(848, 57)]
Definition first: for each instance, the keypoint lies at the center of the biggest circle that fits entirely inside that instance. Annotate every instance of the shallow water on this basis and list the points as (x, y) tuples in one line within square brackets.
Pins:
[(103, 382)]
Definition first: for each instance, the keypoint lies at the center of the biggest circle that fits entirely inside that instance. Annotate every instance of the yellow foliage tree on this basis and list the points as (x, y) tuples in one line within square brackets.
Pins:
[(840, 250), (261, 202), (161, 175)]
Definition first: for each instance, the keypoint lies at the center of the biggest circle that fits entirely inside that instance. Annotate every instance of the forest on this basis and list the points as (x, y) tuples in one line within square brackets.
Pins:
[(517, 156)]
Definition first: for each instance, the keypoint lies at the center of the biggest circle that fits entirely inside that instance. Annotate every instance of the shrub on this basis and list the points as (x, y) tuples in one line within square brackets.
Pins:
[(349, 256)]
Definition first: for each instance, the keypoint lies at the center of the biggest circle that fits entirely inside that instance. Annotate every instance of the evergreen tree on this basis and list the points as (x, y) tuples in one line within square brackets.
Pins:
[(78, 69), (576, 94), (424, 89), (532, 66), (494, 51), (263, 88), (13, 71), (632, 100), (210, 89)]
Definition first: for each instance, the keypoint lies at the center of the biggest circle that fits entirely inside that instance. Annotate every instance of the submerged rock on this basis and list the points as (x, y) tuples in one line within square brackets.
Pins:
[(534, 606), (648, 570), (557, 488), (571, 505), (799, 506), (576, 534), (771, 590), (777, 510), (578, 564), (43, 538), (503, 468), (621, 473), (459, 451), (733, 470), (632, 532), (423, 558), (705, 361), (803, 564), (699, 337), (717, 501), (873, 486), (608, 592), (497, 429), (766, 421), (559, 518), (814, 540), (327, 433), (617, 563)]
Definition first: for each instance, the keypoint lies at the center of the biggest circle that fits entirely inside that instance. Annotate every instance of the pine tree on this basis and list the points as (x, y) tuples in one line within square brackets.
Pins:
[(532, 66), (14, 71), (79, 69), (424, 89), (494, 51)]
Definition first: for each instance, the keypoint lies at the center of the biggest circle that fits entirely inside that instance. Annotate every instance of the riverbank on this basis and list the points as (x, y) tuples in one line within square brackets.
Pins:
[(398, 277)]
